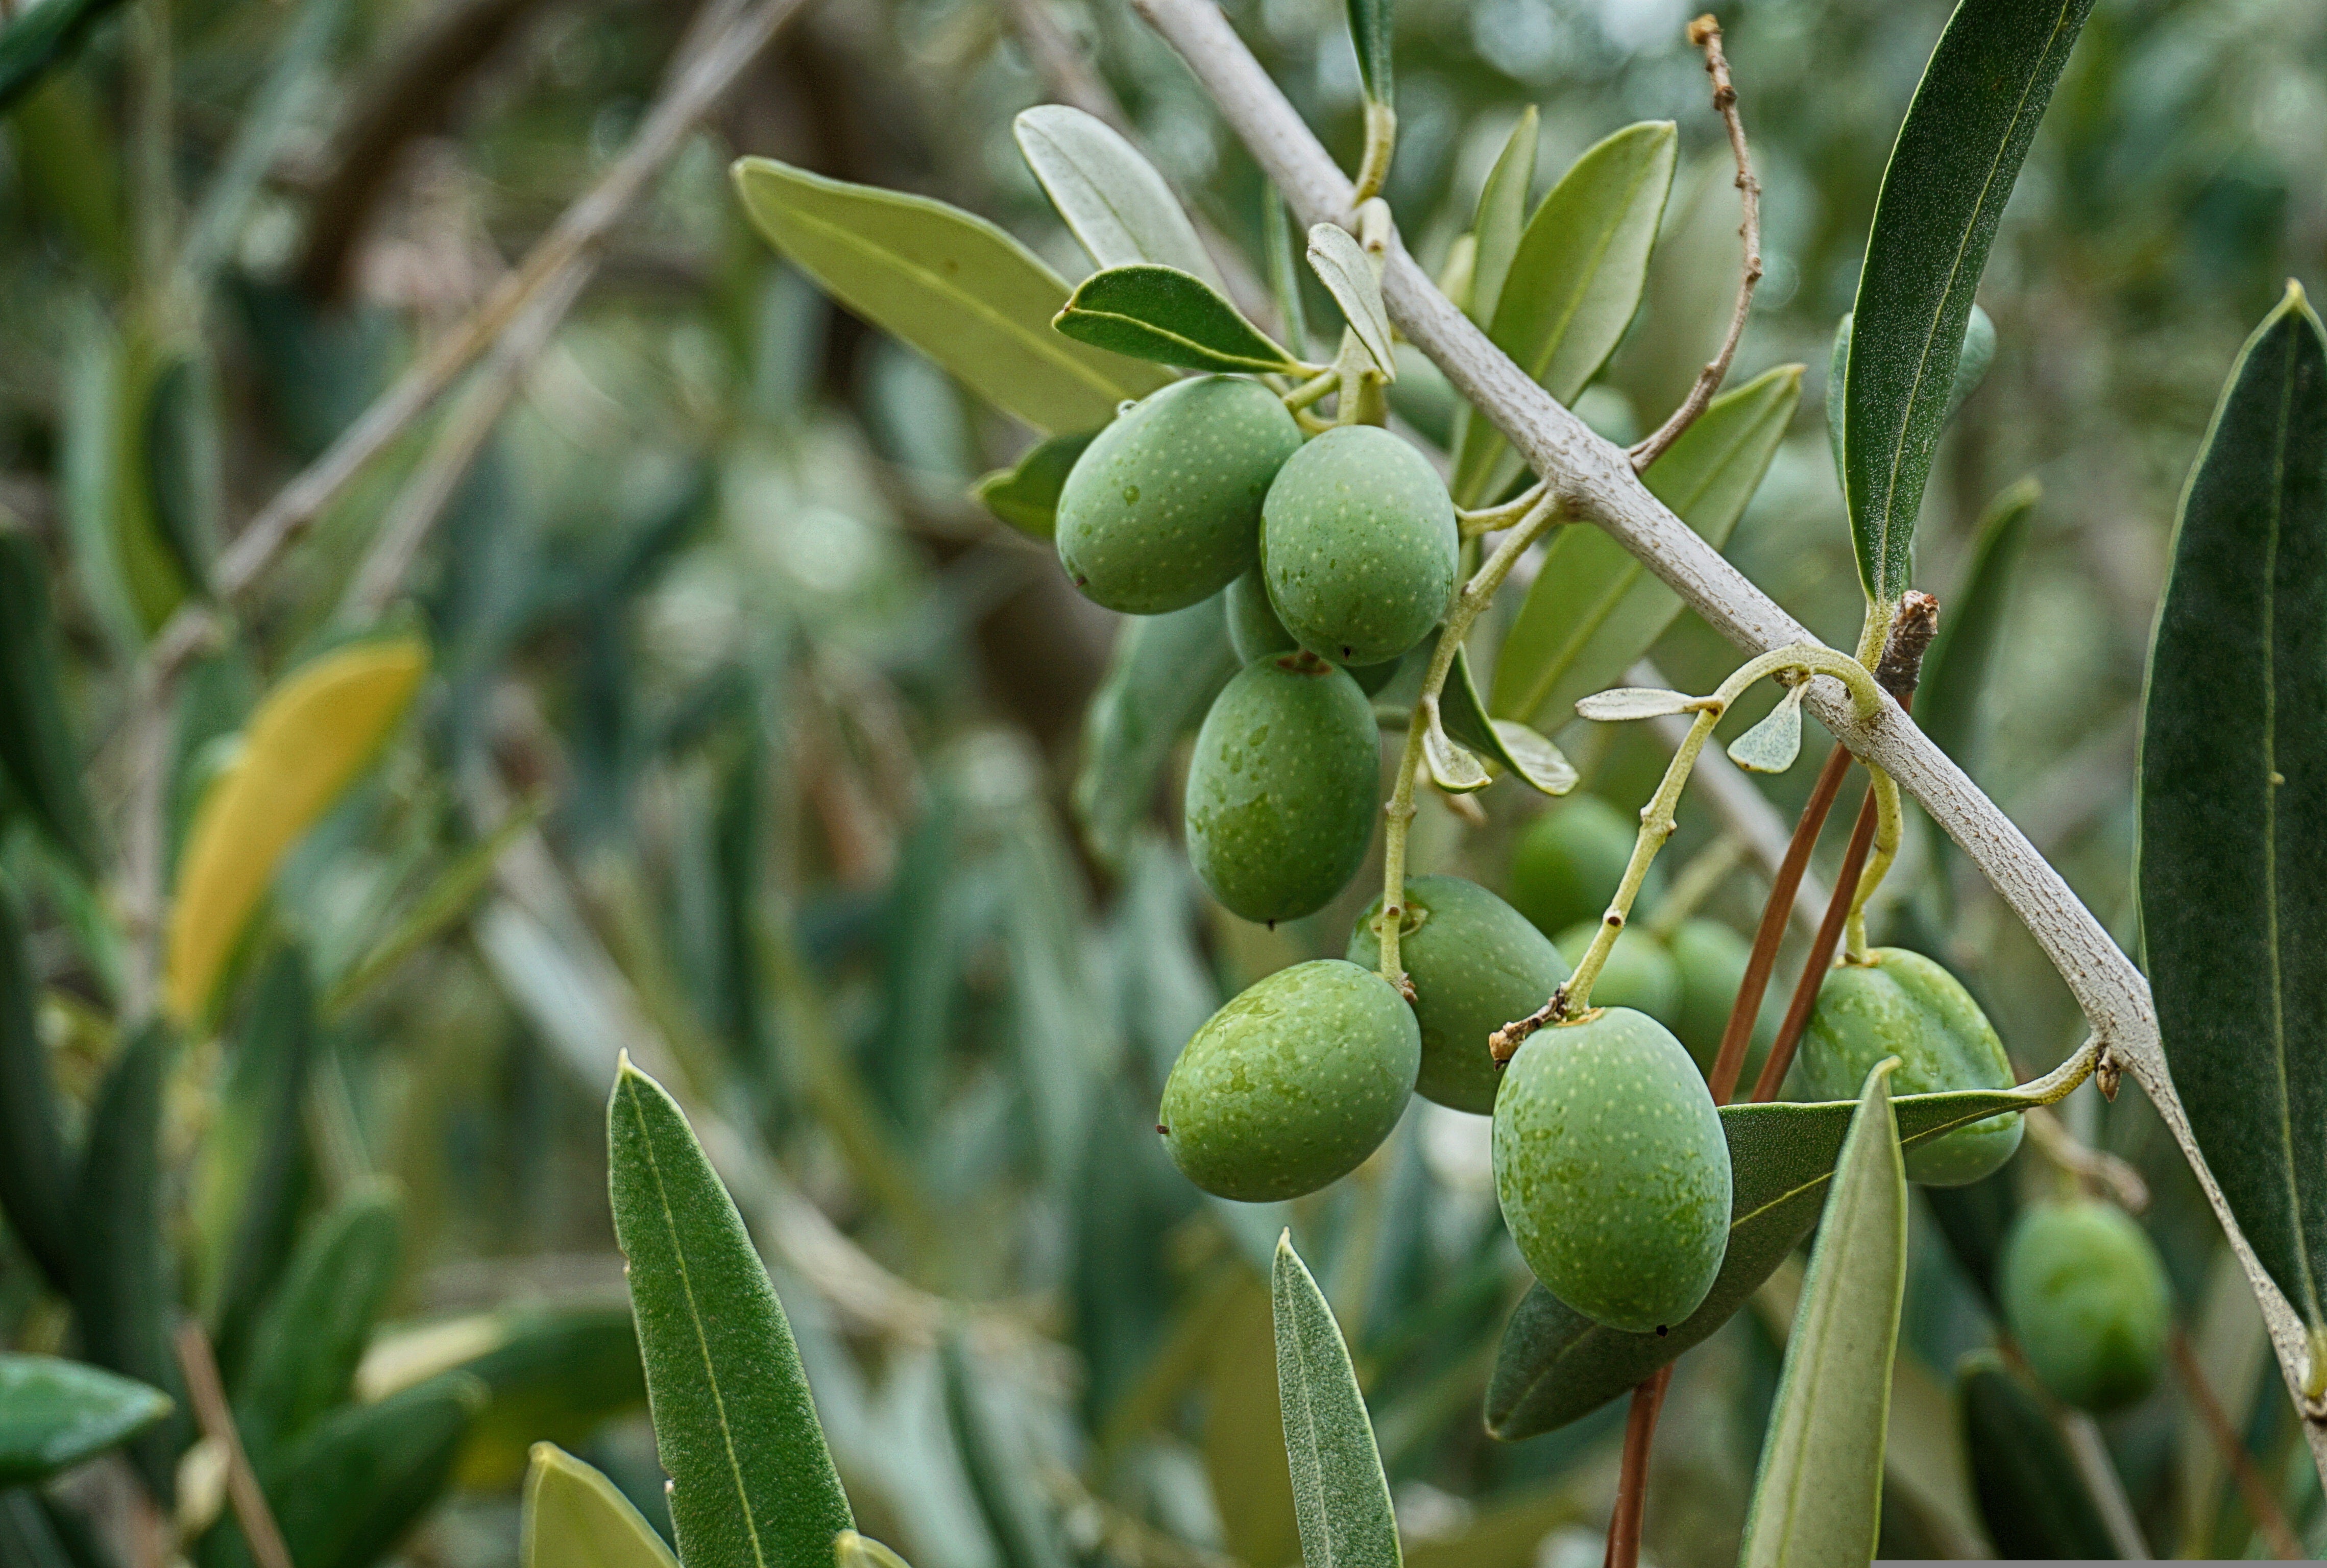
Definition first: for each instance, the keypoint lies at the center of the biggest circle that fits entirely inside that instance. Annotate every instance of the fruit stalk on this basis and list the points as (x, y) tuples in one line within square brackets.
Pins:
[(1821, 958), (1632, 1480)]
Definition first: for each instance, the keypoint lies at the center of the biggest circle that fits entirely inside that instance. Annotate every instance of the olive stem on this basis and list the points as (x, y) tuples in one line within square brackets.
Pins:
[(1888, 822), (1474, 522), (1381, 140), (1314, 389)]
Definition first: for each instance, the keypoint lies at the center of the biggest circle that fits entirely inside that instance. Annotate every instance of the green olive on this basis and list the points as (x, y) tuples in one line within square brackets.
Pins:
[(1292, 1084), (1612, 1170), (2087, 1297), (1638, 973), (1901, 1004), (1253, 631), (1359, 546), (1475, 964), (1283, 788), (1163, 509), (1569, 860)]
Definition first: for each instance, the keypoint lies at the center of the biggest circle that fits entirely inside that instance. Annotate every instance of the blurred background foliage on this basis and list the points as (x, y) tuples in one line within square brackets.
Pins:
[(801, 725)]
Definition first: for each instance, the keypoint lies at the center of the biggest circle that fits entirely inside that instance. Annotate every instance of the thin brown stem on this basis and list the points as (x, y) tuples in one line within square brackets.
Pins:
[(1821, 958), (1763, 959), (207, 1393), (1632, 1480), (1704, 34), (2260, 1501)]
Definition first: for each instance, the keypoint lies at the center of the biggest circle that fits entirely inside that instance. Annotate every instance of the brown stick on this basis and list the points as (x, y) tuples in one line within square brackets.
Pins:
[(1821, 958), (208, 1395), (1632, 1480), (2259, 1499), (1705, 32)]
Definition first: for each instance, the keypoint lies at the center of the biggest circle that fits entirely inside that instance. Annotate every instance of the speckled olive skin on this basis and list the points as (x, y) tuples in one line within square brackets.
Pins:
[(1475, 964), (1904, 1005), (1359, 546), (1163, 509), (1292, 1084), (1253, 631), (2087, 1297), (1709, 960), (1569, 860), (1283, 788), (1639, 975), (1611, 1170)]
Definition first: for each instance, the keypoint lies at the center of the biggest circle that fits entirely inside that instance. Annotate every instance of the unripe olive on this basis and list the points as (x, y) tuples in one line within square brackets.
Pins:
[(1901, 1004), (1611, 1169), (1253, 631), (1283, 788), (1710, 959), (1639, 973), (1359, 546), (2086, 1296), (1163, 509), (1292, 1084), (1475, 964), (1569, 860)]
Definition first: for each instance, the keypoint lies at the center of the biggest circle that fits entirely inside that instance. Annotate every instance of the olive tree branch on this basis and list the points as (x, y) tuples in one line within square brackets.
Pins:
[(1705, 32), (207, 1393), (1597, 482)]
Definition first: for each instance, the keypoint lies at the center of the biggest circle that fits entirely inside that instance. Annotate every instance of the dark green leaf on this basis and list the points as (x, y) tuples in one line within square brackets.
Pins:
[(447, 899), (1971, 622), (752, 1483), (39, 762), (575, 1517), (179, 445), (55, 1413), (1024, 1533), (1818, 1494), (1370, 31), (1557, 1365), (1972, 362), (303, 1360), (1147, 312), (35, 1171), (39, 37), (1952, 171), (1163, 674), (1025, 495), (1113, 199), (2234, 806), (2033, 1498), (951, 284), (1339, 1492), (251, 1174), (1505, 741)]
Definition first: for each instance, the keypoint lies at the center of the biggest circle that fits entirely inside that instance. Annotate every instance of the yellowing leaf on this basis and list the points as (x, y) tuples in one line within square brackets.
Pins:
[(575, 1518), (305, 743)]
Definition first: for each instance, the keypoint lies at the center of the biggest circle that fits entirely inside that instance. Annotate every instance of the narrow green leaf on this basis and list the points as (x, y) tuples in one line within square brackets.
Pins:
[(751, 1485), (39, 761), (1113, 199), (55, 1413), (1339, 1493), (1574, 280), (1023, 1532), (1025, 495), (41, 36), (1147, 312), (1369, 33), (1340, 264), (1556, 1365), (2234, 806), (302, 1358), (1284, 271), (250, 1175), (1502, 214), (1165, 672), (448, 898), (1972, 362), (1951, 172), (259, 136), (35, 1171), (951, 284), (1818, 1495), (1772, 745), (2033, 1498), (575, 1518), (179, 448), (549, 1373), (1594, 609), (1513, 746), (1955, 671)]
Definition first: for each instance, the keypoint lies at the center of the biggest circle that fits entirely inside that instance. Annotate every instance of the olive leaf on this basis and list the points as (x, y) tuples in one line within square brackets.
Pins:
[(1147, 312), (1502, 214), (1369, 33), (851, 1550), (1025, 495), (1972, 363), (1505, 741), (303, 1360), (1284, 271), (1772, 745), (249, 1181), (1164, 673), (1017, 1518), (1594, 609), (35, 1171), (1817, 1493), (1557, 1365), (1339, 1492), (1952, 171), (1342, 265), (575, 1517), (1574, 280), (1113, 199), (2233, 848), (2033, 1496), (1452, 768), (750, 1482), (55, 1413), (949, 283), (1954, 670), (1621, 704), (447, 900), (40, 763)]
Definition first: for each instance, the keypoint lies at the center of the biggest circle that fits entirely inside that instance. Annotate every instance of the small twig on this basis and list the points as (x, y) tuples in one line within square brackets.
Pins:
[(2097, 1166), (1632, 1479), (2091, 1454), (1821, 958), (207, 1393), (1704, 34), (2260, 1501)]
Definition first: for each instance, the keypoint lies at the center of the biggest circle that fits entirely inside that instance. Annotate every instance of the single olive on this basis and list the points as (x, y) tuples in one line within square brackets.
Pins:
[(1283, 788), (1569, 860), (1292, 1084), (1901, 1004), (1253, 631), (1612, 1170), (1475, 964), (2087, 1297), (1710, 959), (1163, 509), (1638, 973), (1359, 546)]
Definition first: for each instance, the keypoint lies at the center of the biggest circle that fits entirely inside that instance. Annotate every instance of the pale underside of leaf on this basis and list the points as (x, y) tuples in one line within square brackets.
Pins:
[(1621, 704), (1118, 205), (1339, 1496), (1772, 745), (1341, 265)]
